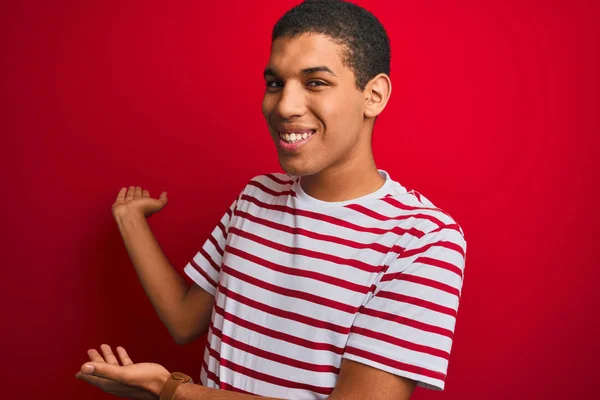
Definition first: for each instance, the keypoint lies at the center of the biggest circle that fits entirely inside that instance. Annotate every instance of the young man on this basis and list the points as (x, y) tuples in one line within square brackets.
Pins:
[(329, 281)]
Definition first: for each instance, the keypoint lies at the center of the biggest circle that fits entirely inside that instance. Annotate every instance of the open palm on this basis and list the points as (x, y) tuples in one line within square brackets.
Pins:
[(135, 199), (129, 380)]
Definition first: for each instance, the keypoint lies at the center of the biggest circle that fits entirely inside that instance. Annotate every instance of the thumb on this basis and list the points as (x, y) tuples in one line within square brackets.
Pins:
[(163, 197), (103, 370)]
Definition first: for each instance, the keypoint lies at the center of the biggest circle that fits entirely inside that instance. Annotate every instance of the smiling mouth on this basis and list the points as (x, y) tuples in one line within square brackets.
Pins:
[(295, 137)]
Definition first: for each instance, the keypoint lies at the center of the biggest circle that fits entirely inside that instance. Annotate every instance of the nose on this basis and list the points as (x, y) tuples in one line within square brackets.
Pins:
[(291, 101)]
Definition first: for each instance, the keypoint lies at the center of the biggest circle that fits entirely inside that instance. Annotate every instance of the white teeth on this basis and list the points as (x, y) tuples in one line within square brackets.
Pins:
[(294, 137)]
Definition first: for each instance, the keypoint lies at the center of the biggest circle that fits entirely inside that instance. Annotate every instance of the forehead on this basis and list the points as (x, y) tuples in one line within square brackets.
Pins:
[(290, 55)]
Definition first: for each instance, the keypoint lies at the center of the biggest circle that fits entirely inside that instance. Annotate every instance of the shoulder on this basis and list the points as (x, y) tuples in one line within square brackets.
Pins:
[(274, 183), (441, 214), (446, 233), (412, 210), (430, 236), (279, 178)]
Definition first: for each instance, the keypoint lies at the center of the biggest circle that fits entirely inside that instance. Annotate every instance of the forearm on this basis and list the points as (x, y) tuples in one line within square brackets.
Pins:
[(165, 288), (190, 391)]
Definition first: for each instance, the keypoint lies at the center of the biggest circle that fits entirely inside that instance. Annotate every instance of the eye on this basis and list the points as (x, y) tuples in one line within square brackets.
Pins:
[(273, 84), (317, 83)]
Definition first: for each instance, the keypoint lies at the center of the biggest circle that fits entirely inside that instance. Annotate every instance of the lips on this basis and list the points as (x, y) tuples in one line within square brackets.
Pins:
[(295, 146), (291, 138), (295, 136), (294, 129)]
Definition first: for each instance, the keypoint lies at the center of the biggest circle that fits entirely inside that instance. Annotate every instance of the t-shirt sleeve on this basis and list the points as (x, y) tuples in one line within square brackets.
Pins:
[(406, 326), (204, 268)]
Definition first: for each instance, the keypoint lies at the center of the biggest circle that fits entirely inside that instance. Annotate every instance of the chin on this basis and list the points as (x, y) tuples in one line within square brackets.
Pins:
[(295, 168)]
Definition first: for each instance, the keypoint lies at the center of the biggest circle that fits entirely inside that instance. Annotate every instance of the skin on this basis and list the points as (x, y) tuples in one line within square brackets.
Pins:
[(136, 381), (356, 381), (335, 165)]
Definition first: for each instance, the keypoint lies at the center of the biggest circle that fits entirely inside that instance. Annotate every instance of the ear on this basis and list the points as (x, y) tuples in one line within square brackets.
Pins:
[(377, 93)]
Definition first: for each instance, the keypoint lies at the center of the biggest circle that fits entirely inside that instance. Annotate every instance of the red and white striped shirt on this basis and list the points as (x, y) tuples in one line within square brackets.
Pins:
[(301, 283)]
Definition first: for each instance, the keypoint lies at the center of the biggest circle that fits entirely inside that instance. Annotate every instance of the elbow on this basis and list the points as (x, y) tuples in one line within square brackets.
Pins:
[(185, 339), (181, 339)]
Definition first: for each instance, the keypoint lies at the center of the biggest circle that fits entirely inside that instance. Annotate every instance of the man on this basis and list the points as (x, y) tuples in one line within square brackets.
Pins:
[(331, 281)]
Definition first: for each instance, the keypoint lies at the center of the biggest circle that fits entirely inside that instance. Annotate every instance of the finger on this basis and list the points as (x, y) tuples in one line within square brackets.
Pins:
[(163, 197), (121, 194), (125, 360), (130, 193), (138, 192), (108, 355), (109, 371), (145, 193), (107, 385), (102, 383), (95, 356), (94, 380)]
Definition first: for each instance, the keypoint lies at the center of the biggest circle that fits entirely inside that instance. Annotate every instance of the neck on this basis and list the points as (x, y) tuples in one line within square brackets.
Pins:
[(344, 182)]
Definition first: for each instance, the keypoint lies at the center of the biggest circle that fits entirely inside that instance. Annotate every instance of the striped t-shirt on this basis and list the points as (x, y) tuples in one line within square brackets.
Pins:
[(300, 283)]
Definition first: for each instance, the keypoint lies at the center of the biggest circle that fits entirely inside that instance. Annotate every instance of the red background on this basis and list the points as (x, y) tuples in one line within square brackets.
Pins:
[(493, 117)]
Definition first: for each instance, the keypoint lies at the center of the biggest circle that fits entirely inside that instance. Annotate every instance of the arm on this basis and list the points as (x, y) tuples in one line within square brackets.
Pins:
[(190, 391), (361, 382), (184, 311), (356, 381)]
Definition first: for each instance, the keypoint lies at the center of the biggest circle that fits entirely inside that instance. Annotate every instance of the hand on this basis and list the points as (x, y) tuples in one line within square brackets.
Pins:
[(137, 381), (136, 200)]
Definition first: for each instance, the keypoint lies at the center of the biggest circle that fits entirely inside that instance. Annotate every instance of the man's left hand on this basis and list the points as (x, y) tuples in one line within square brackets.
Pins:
[(142, 381)]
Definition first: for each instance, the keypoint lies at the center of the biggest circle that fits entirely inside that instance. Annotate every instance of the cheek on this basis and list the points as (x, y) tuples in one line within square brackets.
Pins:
[(342, 114), (267, 106)]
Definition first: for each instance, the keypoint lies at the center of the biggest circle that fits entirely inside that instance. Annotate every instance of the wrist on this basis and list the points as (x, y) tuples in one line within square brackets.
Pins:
[(128, 219), (172, 385), (160, 383), (182, 389)]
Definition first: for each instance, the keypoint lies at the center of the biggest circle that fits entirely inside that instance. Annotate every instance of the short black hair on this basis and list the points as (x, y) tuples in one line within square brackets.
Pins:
[(367, 45)]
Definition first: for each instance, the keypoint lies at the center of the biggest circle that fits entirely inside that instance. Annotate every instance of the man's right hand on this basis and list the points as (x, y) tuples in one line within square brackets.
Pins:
[(137, 201)]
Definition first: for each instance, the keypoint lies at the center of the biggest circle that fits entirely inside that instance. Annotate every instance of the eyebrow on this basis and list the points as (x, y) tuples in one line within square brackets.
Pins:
[(305, 71)]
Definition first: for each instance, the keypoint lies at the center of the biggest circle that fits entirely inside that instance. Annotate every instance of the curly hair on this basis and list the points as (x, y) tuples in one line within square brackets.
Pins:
[(365, 41)]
